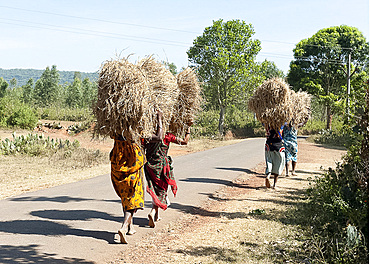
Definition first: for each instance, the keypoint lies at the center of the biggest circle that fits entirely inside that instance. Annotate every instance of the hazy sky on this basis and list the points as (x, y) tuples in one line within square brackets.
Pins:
[(80, 35)]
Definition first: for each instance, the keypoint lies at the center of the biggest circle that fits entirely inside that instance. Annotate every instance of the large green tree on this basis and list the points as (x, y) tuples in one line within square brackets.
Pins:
[(225, 60), (320, 65), (47, 87)]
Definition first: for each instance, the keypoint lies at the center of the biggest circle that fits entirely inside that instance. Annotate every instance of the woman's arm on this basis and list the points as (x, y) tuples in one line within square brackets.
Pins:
[(184, 141), (158, 136)]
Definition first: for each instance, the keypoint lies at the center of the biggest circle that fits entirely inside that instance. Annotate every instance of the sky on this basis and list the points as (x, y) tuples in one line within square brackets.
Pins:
[(79, 35)]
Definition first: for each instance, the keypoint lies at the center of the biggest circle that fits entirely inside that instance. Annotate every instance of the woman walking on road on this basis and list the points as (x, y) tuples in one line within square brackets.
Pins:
[(291, 147), (274, 155), (159, 171), (127, 161)]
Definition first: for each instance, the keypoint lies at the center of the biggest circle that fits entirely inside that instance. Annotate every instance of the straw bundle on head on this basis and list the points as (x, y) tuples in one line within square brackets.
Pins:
[(163, 86), (301, 102), (122, 106), (188, 102), (271, 103)]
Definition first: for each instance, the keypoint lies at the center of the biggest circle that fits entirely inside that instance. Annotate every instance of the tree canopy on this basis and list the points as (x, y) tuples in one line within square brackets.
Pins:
[(225, 60), (320, 63)]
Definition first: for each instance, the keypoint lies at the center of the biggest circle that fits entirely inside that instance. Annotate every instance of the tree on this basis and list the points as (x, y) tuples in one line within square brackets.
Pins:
[(224, 57), (47, 87), (171, 67), (27, 91), (3, 86), (74, 94), (89, 91), (318, 65), (270, 70)]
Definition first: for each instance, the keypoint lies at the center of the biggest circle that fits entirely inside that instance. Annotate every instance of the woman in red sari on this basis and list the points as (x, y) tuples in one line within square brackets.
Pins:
[(158, 170)]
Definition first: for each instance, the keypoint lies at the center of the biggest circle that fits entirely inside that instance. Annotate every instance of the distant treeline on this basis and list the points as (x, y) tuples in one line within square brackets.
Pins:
[(23, 75)]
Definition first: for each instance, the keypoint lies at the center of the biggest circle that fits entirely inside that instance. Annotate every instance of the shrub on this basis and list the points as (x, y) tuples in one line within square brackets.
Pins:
[(14, 113), (35, 145)]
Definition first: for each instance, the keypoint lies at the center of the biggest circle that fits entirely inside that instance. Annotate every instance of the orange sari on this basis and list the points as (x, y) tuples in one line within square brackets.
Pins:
[(127, 163)]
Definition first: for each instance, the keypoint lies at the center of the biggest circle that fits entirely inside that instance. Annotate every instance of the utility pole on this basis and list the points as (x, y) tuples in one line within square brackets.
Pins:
[(348, 84), (349, 75)]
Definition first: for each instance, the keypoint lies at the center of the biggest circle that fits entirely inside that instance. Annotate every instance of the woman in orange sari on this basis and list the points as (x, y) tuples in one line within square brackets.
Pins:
[(127, 161)]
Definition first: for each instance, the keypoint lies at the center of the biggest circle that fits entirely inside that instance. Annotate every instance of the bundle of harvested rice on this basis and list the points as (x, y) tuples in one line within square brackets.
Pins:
[(163, 86), (122, 106), (272, 103), (188, 102), (301, 102)]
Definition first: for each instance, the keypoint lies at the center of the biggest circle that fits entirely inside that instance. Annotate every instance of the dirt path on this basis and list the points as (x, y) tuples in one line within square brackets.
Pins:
[(242, 223)]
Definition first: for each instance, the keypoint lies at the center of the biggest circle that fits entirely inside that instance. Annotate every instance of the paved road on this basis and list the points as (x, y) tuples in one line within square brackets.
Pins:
[(77, 222)]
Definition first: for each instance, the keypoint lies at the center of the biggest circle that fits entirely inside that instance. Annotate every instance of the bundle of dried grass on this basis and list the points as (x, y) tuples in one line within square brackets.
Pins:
[(122, 106), (272, 103), (301, 102), (163, 86), (188, 102), (276, 104)]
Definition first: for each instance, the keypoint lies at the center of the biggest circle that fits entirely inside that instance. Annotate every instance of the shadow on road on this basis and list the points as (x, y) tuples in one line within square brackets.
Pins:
[(195, 210), (30, 254), (237, 169), (82, 215), (57, 199), (49, 228)]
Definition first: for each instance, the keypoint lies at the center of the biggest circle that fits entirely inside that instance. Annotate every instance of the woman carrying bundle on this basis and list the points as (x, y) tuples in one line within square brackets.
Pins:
[(127, 161), (159, 171), (291, 147), (274, 155)]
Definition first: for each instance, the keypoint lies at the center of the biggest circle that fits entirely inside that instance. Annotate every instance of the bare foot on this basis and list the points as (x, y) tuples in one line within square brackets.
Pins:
[(294, 174), (122, 236), (151, 221), (131, 231), (267, 182)]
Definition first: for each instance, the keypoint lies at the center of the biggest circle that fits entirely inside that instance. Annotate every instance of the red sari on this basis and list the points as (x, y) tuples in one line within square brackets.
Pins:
[(159, 172)]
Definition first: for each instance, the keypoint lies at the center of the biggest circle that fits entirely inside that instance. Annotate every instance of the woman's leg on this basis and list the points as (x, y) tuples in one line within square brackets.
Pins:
[(275, 179), (153, 215), (127, 218), (287, 168), (294, 163)]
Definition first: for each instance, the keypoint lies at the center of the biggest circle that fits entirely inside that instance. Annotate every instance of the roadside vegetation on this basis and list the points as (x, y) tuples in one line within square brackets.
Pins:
[(333, 214)]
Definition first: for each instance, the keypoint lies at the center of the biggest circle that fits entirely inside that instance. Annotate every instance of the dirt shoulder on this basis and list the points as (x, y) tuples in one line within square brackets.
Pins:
[(241, 223)]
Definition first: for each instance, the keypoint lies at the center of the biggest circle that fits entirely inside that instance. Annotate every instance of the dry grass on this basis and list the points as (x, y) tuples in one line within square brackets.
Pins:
[(188, 102), (22, 173), (123, 106), (275, 103)]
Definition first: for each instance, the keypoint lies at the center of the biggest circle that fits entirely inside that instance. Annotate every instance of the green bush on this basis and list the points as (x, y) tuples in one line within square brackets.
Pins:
[(14, 113), (22, 117)]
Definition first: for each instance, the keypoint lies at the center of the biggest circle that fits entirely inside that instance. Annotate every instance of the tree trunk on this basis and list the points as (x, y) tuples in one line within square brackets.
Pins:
[(221, 121), (329, 117)]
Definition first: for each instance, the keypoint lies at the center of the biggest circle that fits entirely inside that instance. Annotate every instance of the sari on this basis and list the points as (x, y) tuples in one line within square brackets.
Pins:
[(127, 163), (290, 143), (159, 171)]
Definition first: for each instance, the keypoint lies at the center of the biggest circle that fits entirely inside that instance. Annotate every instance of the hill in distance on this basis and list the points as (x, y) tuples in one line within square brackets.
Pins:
[(23, 75)]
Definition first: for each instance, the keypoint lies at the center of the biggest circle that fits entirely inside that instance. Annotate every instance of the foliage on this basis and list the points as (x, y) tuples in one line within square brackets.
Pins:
[(65, 114), (47, 87), (35, 145), (240, 122), (270, 70), (318, 65), (14, 113), (339, 201), (3, 86), (23, 75), (224, 56)]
